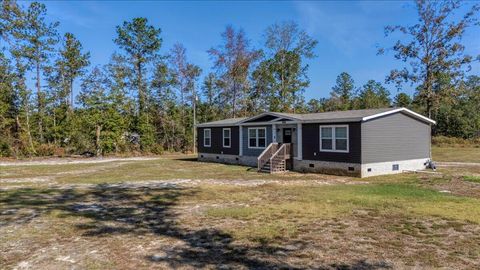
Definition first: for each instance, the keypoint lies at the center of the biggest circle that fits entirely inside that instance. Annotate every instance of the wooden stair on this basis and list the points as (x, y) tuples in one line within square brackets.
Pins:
[(274, 158), (279, 166)]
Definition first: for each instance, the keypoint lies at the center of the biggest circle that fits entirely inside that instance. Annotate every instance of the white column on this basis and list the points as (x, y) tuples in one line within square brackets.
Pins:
[(299, 142), (274, 133), (240, 143)]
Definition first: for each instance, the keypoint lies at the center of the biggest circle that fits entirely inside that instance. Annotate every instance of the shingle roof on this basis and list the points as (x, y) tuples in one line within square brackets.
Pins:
[(224, 122), (336, 116)]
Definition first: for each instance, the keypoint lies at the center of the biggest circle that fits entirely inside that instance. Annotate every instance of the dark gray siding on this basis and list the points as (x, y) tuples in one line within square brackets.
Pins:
[(311, 144), (395, 137), (250, 151), (217, 141), (263, 119)]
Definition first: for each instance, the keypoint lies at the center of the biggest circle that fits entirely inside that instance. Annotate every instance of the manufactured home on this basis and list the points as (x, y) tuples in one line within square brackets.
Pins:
[(358, 142)]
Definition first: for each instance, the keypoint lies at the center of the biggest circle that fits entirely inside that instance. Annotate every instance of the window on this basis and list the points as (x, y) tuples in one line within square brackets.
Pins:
[(257, 137), (207, 137), (227, 137), (334, 138)]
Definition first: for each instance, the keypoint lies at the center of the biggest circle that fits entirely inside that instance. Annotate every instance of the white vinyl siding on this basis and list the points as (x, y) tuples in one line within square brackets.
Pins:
[(227, 137), (334, 138), (207, 137), (257, 137)]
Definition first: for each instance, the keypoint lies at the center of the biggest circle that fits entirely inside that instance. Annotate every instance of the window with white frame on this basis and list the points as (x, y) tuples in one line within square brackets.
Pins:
[(257, 137), (334, 138), (207, 137), (227, 137)]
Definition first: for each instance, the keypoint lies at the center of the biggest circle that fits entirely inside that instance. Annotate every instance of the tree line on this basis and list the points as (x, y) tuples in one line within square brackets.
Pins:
[(146, 98)]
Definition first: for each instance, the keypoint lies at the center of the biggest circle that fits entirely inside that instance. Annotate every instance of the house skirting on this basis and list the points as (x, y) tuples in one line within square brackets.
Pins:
[(327, 167), (381, 168), (228, 159)]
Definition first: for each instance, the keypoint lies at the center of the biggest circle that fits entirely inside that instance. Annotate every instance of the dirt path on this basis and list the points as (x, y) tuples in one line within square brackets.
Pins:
[(63, 161), (457, 164), (177, 183)]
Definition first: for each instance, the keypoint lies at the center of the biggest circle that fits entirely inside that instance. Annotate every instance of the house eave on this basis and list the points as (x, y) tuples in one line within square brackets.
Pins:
[(404, 110)]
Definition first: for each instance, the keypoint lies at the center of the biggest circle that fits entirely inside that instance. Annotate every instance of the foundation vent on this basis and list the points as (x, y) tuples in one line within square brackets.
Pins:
[(395, 167), (351, 169), (369, 169), (311, 165)]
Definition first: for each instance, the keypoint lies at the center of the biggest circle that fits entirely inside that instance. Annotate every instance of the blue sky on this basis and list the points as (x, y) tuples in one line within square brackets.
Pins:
[(348, 33)]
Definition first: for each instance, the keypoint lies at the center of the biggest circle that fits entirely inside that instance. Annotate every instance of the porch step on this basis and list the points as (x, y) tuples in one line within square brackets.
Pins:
[(274, 158), (279, 166)]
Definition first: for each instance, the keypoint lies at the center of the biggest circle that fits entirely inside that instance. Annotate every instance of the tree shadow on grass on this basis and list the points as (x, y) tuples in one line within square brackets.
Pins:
[(134, 209), (189, 159)]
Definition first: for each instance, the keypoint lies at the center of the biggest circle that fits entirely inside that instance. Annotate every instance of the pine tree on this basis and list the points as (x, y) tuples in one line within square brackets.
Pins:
[(36, 40), (141, 42), (403, 100), (73, 60), (342, 92), (8, 106), (373, 95)]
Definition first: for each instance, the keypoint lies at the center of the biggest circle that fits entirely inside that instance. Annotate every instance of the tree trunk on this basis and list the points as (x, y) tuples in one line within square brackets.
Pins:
[(141, 94), (29, 134), (97, 140), (234, 101), (71, 94), (194, 121), (40, 104), (428, 88)]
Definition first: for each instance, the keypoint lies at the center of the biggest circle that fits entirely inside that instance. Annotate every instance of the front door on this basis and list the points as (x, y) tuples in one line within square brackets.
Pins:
[(287, 135)]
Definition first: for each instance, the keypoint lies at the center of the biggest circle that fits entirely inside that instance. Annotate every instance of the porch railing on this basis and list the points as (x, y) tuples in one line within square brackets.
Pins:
[(266, 154), (278, 159)]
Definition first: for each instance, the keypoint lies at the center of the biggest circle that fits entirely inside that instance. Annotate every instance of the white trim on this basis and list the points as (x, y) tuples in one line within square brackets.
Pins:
[(229, 137), (209, 136), (299, 142), (274, 133), (257, 137), (274, 120), (240, 143), (258, 124), (268, 113), (333, 138), (399, 110)]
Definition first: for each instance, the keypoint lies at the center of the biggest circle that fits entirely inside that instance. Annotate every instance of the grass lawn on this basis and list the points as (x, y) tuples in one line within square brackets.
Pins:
[(458, 154), (177, 213)]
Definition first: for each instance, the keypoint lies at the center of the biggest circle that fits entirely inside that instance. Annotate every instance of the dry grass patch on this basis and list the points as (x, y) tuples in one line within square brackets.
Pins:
[(293, 221), (456, 154)]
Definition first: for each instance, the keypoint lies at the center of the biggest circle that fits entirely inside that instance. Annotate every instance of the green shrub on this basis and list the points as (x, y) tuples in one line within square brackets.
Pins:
[(471, 178), (44, 150), (5, 150), (157, 149)]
